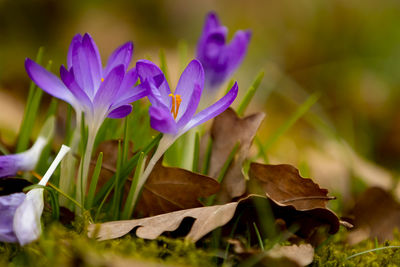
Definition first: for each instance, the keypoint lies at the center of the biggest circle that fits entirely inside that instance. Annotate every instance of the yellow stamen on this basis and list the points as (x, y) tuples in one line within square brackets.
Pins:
[(102, 79), (176, 102)]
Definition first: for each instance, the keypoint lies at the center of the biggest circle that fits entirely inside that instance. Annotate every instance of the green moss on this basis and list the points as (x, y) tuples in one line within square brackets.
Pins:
[(59, 246), (335, 252)]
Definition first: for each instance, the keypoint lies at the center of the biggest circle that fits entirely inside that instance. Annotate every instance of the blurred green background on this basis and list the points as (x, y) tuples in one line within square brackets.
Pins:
[(349, 50)]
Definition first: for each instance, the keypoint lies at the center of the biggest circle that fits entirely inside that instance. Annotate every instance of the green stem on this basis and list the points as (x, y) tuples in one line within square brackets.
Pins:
[(165, 142), (84, 167)]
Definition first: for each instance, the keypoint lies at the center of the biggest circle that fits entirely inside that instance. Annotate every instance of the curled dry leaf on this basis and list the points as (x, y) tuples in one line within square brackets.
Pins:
[(171, 189), (227, 130), (294, 198), (376, 214), (293, 255), (206, 220)]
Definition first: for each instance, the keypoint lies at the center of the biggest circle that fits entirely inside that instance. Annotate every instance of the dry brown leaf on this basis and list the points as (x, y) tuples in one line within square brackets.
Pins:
[(376, 214), (171, 189), (283, 184), (296, 199), (227, 130), (206, 220), (293, 255)]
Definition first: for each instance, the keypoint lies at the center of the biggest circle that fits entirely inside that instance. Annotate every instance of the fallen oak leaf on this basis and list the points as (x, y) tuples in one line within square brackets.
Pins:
[(290, 255), (206, 220), (228, 130), (170, 189), (296, 199), (376, 215), (293, 255)]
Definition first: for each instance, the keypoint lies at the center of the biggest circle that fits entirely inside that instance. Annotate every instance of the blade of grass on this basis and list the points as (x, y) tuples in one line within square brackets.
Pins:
[(183, 52), (371, 250), (207, 156), (39, 177), (94, 181), (231, 236), (31, 111), (4, 150), (163, 63), (102, 203), (126, 170), (301, 110), (195, 167), (125, 149), (116, 197), (129, 205), (260, 242), (250, 94), (230, 84)]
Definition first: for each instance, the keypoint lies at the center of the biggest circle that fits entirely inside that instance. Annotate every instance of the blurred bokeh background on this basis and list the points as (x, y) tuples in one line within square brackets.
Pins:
[(349, 50)]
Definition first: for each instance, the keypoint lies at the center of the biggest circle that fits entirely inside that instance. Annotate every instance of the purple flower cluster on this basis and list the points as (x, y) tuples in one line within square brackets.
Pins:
[(100, 92), (219, 59), (174, 114)]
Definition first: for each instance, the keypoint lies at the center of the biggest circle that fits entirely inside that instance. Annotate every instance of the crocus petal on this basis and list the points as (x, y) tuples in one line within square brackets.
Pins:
[(69, 80), (122, 55), (212, 55), (130, 79), (8, 165), (8, 206), (81, 69), (77, 38), (131, 95), (120, 112), (25, 161), (127, 93), (147, 70), (26, 222), (191, 78), (236, 50), (108, 89), (213, 110), (213, 46), (93, 58), (162, 120), (48, 82), (191, 108), (211, 23)]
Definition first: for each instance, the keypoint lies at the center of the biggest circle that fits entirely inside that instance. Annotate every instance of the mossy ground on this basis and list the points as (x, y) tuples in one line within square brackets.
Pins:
[(335, 252), (60, 246)]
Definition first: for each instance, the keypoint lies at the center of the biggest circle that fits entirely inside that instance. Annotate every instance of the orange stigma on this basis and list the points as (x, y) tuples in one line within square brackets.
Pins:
[(102, 79), (176, 102)]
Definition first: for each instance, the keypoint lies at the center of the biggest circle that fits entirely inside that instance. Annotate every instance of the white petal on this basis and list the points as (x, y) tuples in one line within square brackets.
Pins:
[(27, 226)]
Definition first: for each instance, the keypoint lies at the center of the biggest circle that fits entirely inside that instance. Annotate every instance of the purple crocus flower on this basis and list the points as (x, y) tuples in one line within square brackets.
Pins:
[(175, 113), (98, 92), (20, 213), (219, 59), (25, 161), (10, 165)]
